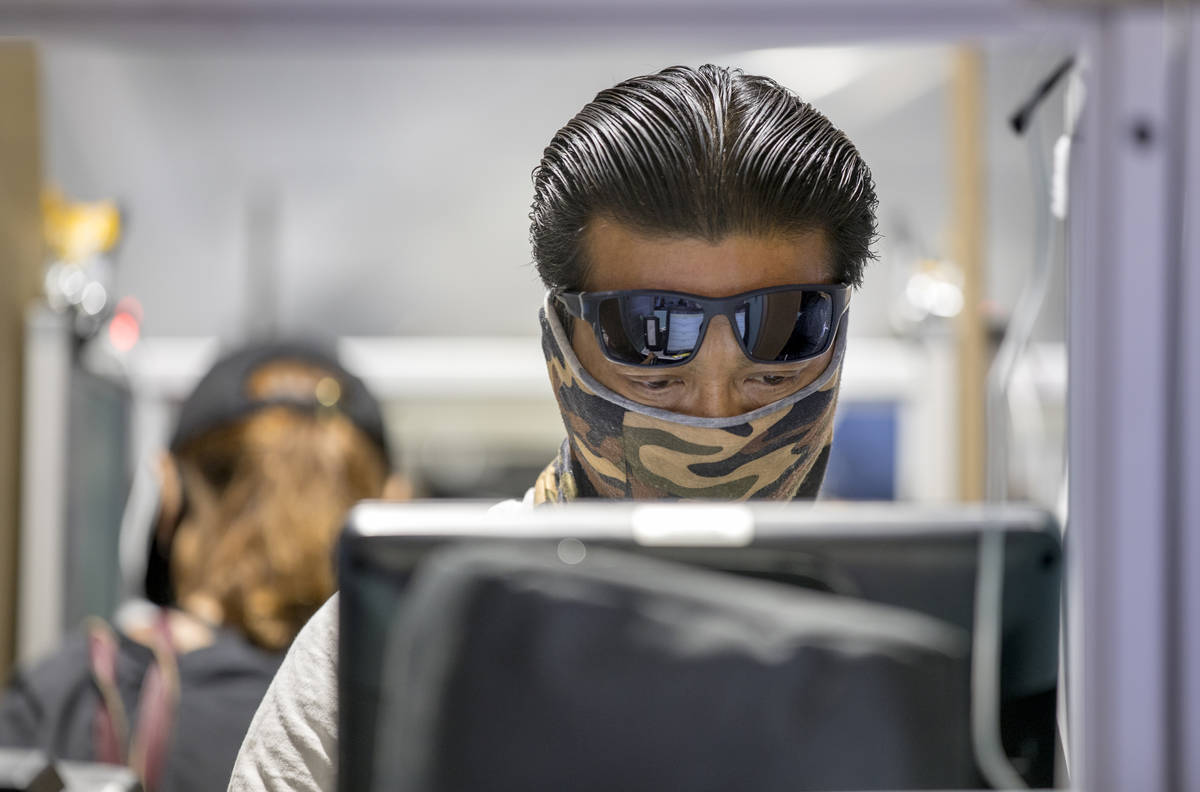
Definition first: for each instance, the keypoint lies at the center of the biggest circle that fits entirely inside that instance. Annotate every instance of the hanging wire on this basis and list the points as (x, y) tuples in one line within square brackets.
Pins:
[(989, 586)]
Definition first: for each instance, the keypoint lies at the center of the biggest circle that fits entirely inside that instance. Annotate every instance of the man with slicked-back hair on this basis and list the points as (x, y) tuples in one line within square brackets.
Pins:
[(699, 232)]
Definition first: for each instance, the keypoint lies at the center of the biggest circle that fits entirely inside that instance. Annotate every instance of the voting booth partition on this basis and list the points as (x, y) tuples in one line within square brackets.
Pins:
[(695, 646)]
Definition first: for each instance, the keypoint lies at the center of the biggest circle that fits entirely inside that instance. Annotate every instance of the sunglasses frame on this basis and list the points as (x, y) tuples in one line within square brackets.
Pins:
[(586, 306)]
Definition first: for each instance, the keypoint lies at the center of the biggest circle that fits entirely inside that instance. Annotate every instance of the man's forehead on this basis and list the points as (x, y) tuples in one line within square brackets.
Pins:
[(619, 256)]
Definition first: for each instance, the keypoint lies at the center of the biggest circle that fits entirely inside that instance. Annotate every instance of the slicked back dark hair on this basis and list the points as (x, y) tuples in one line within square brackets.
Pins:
[(700, 153)]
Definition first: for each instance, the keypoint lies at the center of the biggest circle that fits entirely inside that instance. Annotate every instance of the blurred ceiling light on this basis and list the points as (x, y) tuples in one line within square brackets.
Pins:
[(76, 231), (935, 289), (132, 306), (72, 282), (94, 298)]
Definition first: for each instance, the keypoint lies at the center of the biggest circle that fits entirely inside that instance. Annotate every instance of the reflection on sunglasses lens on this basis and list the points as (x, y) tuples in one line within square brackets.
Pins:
[(649, 329)]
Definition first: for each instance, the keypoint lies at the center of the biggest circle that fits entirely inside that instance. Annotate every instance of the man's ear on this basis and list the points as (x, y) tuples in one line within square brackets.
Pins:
[(397, 488), (170, 499)]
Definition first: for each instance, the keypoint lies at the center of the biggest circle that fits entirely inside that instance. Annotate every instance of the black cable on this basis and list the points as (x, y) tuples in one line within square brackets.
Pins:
[(1019, 120)]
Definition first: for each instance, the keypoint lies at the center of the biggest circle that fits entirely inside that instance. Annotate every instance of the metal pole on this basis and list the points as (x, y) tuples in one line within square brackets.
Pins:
[(967, 189), (1121, 420), (20, 282)]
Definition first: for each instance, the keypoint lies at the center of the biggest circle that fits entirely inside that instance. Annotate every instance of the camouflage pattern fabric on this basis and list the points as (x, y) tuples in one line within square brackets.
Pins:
[(557, 484), (617, 448)]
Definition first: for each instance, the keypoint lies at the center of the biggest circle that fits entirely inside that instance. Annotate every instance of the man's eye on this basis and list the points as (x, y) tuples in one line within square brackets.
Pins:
[(654, 385), (775, 379)]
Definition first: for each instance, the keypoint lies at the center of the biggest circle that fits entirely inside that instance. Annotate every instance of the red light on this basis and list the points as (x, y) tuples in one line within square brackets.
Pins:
[(131, 306), (123, 331)]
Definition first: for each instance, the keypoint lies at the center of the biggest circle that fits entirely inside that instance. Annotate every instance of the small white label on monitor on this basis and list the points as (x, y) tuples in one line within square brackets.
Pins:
[(693, 524)]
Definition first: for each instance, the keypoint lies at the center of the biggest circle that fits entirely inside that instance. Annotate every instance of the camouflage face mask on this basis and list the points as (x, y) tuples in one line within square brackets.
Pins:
[(617, 448)]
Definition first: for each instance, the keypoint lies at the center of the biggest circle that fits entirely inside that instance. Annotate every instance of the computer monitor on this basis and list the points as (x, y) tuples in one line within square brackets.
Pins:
[(917, 557)]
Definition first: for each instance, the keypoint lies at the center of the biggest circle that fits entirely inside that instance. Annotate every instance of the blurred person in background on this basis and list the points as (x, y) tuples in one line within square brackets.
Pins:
[(271, 449), (699, 231)]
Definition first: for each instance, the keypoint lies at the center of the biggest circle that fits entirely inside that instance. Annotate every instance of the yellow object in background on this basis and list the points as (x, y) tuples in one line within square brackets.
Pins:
[(77, 231)]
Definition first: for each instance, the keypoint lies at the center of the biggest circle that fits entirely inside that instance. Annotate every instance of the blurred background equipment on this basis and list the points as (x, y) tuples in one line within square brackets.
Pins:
[(27, 771), (79, 277), (75, 460), (32, 771)]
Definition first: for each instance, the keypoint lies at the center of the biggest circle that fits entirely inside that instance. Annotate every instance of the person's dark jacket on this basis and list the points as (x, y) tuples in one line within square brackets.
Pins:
[(52, 706)]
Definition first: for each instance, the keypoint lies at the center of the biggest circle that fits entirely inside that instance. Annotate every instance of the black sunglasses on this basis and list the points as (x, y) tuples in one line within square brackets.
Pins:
[(644, 327)]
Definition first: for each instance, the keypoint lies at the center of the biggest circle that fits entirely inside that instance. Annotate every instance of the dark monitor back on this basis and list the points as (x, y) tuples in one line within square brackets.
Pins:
[(915, 557)]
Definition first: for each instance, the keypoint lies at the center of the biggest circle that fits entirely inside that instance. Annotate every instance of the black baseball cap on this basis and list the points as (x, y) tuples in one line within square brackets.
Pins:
[(223, 394)]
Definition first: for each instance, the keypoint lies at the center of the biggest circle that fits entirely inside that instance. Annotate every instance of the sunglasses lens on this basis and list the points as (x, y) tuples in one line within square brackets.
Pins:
[(786, 326), (648, 329)]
